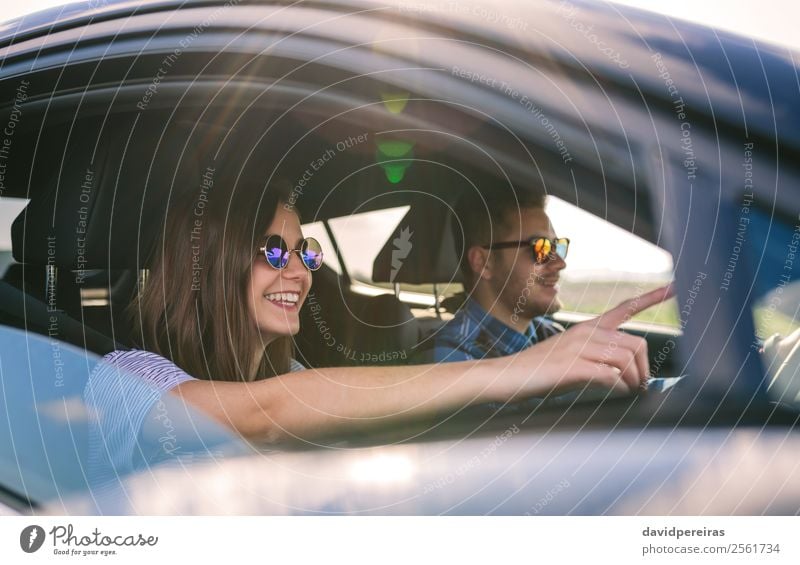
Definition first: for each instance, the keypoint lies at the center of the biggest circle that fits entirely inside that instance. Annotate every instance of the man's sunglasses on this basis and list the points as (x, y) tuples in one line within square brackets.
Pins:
[(544, 249), (277, 253)]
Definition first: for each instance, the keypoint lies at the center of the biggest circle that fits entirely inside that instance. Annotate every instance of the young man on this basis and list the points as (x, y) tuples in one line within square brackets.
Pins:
[(511, 260)]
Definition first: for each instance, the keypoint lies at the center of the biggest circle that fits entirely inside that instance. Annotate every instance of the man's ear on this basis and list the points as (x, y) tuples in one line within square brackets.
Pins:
[(478, 258)]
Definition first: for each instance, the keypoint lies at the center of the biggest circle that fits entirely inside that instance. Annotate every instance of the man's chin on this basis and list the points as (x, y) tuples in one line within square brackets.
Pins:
[(552, 307)]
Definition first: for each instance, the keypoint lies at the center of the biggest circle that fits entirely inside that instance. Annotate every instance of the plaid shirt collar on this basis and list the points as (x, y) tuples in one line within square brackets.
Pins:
[(494, 334)]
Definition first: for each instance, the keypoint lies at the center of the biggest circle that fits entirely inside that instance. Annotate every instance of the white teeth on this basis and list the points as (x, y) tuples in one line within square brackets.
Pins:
[(290, 297)]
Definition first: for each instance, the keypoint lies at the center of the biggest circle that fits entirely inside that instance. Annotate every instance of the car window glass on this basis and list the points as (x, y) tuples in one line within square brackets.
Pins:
[(75, 425), (778, 312), (773, 246)]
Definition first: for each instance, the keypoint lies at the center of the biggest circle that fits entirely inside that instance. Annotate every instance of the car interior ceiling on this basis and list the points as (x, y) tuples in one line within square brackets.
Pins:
[(132, 164)]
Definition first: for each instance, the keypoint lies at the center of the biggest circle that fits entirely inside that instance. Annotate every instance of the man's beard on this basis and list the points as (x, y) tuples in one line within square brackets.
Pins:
[(535, 310)]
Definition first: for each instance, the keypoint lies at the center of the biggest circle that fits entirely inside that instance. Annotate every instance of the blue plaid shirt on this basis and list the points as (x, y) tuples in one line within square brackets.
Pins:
[(475, 334)]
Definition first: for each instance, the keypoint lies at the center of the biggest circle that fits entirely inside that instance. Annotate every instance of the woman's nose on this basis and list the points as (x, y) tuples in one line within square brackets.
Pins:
[(294, 268)]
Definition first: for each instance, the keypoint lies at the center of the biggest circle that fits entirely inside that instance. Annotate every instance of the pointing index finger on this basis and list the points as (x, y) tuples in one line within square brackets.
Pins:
[(625, 311)]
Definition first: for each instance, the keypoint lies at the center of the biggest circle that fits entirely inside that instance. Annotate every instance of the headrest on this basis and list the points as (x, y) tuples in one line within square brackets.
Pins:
[(108, 193), (386, 329), (421, 249)]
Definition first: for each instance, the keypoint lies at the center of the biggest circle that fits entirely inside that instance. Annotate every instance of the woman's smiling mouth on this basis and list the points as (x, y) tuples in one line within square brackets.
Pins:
[(283, 299)]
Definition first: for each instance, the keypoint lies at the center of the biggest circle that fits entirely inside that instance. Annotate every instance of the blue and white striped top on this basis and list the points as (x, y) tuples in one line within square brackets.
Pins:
[(158, 371), (121, 405)]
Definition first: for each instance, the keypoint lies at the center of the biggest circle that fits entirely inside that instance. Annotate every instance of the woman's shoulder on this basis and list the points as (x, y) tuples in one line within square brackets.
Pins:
[(152, 367), (122, 355), (139, 359)]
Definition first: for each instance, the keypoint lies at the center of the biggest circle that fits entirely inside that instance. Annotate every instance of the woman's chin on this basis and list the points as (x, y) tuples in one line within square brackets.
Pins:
[(283, 328)]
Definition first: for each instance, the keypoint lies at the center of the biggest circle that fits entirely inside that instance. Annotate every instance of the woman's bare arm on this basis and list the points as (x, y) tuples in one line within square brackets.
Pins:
[(310, 403)]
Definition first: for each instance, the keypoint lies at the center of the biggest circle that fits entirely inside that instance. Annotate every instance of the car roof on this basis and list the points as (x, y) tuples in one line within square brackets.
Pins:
[(725, 60), (723, 97)]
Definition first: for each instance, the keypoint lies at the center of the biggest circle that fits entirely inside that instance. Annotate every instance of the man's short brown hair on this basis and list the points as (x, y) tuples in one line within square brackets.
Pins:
[(479, 217)]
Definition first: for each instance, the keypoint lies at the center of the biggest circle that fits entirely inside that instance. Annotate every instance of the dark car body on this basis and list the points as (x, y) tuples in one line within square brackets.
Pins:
[(680, 134)]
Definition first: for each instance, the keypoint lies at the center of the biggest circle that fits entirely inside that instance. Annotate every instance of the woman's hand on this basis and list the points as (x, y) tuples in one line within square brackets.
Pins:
[(591, 353)]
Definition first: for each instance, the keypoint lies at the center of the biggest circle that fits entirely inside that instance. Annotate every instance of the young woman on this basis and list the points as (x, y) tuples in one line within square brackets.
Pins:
[(216, 320)]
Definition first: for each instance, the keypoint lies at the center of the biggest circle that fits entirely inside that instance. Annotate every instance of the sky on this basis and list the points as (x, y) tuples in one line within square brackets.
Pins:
[(774, 21), (769, 20)]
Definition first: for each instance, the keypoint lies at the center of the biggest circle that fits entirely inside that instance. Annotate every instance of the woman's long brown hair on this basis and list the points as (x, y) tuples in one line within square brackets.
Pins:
[(193, 309)]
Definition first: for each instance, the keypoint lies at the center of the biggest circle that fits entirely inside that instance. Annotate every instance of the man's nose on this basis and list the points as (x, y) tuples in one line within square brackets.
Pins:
[(556, 263)]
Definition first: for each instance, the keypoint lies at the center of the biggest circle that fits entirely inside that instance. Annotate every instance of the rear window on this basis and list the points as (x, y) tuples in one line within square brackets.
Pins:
[(9, 210), (361, 237)]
